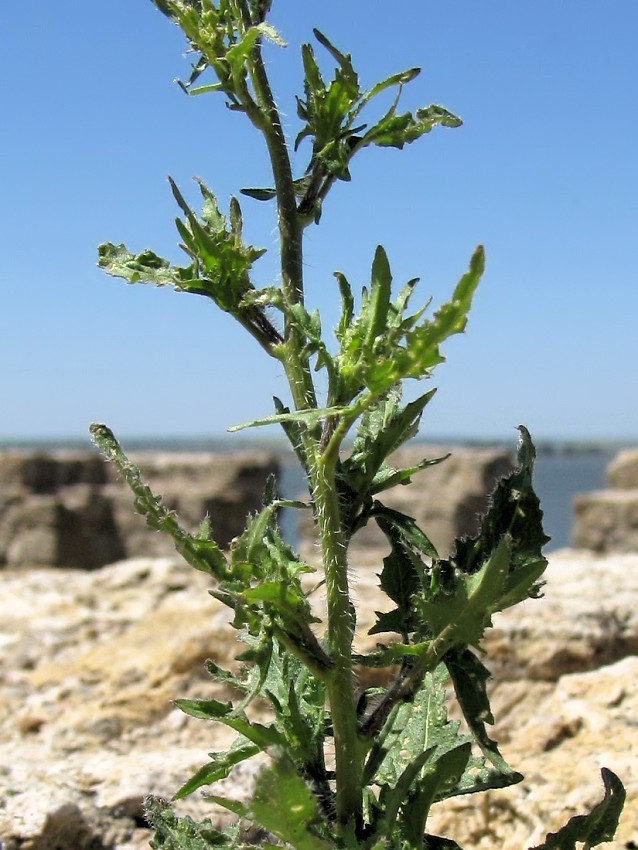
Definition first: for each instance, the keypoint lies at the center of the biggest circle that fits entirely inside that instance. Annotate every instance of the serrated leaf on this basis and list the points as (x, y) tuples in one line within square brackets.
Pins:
[(402, 528), (514, 509), (146, 267), (459, 617), (596, 827), (398, 130), (417, 727)]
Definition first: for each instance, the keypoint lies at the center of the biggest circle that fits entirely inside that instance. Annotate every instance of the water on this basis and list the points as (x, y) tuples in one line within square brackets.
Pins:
[(557, 479)]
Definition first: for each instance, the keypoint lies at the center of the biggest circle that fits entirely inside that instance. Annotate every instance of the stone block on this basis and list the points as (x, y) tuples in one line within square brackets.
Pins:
[(70, 509), (606, 521), (446, 499), (622, 472)]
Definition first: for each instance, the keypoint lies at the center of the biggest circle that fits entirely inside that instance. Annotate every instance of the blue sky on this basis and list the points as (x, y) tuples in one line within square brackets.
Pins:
[(544, 173)]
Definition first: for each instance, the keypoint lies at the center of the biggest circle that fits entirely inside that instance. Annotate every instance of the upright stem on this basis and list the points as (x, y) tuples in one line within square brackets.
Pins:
[(341, 625), (341, 620)]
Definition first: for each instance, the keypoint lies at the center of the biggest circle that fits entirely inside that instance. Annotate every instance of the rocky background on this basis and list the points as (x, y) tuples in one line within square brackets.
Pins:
[(91, 658)]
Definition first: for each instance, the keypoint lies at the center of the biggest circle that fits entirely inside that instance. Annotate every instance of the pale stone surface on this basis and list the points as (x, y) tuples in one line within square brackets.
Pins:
[(89, 663), (622, 472), (606, 521)]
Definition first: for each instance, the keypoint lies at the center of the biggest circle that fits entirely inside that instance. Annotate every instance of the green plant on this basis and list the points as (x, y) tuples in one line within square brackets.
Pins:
[(395, 751)]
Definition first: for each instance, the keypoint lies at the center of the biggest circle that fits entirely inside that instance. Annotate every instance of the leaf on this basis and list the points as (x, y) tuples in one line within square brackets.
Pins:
[(596, 827), (469, 677), (514, 509), (445, 773), (308, 417), (218, 768), (180, 833), (284, 805), (204, 555), (204, 709), (460, 615), (260, 194), (146, 267), (398, 130)]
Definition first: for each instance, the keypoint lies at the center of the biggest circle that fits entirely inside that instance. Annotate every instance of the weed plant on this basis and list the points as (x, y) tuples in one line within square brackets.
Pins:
[(346, 770)]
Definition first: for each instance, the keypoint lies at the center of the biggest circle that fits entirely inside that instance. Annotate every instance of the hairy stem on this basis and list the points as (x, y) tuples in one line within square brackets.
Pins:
[(341, 624)]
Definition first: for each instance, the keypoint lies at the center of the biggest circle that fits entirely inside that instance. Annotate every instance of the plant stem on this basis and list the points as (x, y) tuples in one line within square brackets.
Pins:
[(341, 624), (341, 620)]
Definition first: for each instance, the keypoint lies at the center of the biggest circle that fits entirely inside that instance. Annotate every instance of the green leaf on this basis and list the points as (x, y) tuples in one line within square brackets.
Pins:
[(204, 709), (180, 833), (204, 555), (458, 616), (218, 768), (398, 130), (284, 805), (445, 773), (308, 417), (260, 194), (469, 677), (379, 303), (513, 509), (146, 267), (596, 827), (402, 529), (418, 727)]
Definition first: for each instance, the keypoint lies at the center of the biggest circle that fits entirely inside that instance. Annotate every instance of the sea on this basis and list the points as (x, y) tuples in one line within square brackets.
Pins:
[(562, 469)]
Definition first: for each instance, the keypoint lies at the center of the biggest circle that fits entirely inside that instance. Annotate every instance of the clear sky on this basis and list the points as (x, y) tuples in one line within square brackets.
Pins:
[(544, 173)]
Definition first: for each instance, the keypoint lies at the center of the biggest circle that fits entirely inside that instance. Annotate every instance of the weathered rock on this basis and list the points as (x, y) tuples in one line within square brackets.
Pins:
[(69, 509), (586, 618), (606, 521), (622, 472), (559, 740), (446, 499), (89, 662)]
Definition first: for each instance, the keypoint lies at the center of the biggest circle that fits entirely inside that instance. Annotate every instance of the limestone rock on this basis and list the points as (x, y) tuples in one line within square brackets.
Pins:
[(90, 661), (69, 508), (622, 472), (606, 521), (445, 499)]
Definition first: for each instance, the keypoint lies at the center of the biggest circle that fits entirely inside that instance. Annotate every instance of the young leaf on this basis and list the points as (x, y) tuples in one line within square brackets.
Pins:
[(308, 417)]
